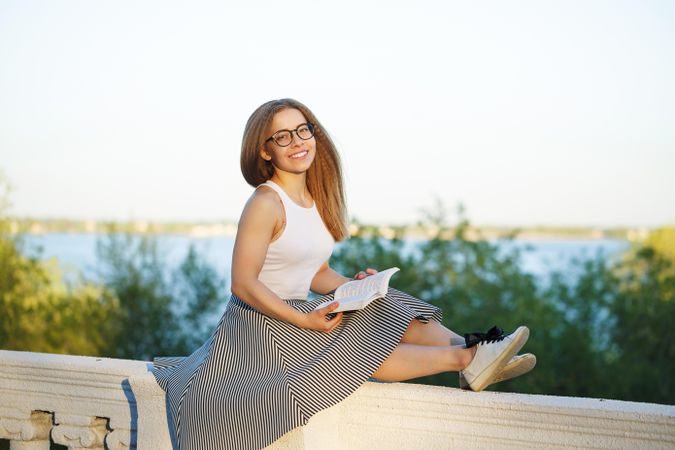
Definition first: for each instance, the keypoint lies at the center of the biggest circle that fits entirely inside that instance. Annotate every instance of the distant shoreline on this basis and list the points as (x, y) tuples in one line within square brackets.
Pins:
[(224, 228)]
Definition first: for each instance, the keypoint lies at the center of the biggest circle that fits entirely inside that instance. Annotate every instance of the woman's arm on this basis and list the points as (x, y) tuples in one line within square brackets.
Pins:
[(254, 234), (327, 280)]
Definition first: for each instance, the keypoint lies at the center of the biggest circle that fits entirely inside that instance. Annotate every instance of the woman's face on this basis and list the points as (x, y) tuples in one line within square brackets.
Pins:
[(282, 157)]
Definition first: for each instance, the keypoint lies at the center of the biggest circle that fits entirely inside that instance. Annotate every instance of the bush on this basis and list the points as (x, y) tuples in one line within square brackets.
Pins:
[(135, 312), (163, 311), (604, 334)]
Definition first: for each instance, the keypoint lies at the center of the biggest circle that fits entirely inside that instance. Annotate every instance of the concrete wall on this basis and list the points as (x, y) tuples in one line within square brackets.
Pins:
[(86, 402)]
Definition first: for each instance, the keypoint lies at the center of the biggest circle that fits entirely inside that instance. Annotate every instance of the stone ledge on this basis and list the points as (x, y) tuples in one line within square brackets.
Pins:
[(378, 415)]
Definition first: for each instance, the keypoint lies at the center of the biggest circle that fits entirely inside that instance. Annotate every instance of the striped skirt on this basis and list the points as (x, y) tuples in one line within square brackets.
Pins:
[(256, 378)]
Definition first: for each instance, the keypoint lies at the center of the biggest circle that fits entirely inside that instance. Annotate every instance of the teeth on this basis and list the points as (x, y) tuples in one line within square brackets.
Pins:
[(299, 155)]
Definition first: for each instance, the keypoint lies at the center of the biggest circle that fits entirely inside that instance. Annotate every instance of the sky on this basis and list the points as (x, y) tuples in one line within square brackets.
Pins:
[(526, 112)]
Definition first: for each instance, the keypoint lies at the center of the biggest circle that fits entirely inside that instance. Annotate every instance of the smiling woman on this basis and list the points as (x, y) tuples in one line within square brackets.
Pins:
[(265, 368), (303, 149), (262, 157)]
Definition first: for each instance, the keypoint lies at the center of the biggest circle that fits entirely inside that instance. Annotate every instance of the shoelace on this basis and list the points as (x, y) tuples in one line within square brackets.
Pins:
[(494, 334)]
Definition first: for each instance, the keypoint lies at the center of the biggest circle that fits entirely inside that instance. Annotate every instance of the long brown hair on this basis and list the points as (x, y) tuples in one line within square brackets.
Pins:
[(324, 177)]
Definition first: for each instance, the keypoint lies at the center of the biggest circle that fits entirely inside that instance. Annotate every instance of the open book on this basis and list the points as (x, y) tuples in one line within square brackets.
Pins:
[(358, 294)]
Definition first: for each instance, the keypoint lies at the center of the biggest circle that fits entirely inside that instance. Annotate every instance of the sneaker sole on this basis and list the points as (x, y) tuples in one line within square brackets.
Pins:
[(520, 366), (486, 378)]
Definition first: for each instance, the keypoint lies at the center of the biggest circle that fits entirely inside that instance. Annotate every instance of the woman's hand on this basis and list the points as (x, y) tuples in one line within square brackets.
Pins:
[(361, 275), (316, 320)]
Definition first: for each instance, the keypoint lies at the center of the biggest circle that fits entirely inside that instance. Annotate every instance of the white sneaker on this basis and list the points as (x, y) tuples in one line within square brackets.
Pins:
[(517, 366), (491, 356)]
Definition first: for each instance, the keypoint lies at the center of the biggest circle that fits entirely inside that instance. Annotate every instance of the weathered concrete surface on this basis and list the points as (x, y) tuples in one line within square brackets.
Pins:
[(85, 401)]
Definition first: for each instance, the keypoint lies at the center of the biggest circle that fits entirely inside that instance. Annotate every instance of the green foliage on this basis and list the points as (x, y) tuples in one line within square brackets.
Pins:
[(603, 334), (202, 293), (160, 314), (662, 240), (135, 312), (131, 268), (643, 309), (42, 313), (39, 311)]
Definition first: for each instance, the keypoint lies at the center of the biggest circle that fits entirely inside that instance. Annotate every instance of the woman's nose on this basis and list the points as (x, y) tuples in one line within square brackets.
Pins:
[(295, 139)]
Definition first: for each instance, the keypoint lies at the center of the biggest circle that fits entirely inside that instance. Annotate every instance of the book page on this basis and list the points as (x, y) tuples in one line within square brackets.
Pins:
[(357, 294), (377, 282)]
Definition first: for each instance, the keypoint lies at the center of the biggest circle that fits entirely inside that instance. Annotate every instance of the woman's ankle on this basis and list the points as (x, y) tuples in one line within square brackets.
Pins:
[(463, 357), (470, 352)]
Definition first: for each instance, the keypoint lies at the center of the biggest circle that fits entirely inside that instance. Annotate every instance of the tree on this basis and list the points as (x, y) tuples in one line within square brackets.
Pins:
[(137, 308), (472, 281), (605, 333), (39, 311), (642, 310), (163, 311)]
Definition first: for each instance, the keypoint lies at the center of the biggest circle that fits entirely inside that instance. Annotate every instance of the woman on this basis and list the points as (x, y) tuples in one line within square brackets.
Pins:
[(273, 361)]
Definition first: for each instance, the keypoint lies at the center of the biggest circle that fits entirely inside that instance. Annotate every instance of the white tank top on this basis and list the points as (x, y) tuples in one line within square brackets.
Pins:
[(293, 258)]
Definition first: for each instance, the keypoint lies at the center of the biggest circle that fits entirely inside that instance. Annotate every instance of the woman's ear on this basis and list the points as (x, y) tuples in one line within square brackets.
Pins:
[(264, 155)]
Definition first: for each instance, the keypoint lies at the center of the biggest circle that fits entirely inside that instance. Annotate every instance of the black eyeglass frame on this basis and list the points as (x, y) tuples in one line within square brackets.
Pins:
[(310, 125)]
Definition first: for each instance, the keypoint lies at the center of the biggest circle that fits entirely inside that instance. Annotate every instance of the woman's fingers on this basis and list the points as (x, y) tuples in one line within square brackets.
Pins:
[(320, 321), (361, 275), (328, 308), (334, 322)]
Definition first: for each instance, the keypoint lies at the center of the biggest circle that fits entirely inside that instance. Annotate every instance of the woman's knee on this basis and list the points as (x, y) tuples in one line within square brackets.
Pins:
[(411, 331)]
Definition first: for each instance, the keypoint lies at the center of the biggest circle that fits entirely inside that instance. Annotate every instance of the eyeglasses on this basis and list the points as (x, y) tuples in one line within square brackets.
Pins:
[(283, 138)]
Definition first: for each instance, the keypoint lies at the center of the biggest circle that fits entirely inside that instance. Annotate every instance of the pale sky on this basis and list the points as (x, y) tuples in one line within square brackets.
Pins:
[(529, 113)]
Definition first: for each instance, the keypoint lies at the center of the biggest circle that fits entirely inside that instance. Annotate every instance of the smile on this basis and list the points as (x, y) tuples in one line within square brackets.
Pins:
[(299, 155)]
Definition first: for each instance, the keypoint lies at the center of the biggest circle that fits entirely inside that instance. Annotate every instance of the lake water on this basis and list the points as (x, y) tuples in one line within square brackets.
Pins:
[(77, 252)]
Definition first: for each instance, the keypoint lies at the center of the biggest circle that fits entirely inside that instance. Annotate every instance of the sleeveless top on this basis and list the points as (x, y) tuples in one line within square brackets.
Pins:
[(293, 258)]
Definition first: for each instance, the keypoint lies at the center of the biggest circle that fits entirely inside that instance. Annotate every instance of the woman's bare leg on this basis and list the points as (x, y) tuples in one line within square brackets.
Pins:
[(432, 333), (409, 361), (425, 349)]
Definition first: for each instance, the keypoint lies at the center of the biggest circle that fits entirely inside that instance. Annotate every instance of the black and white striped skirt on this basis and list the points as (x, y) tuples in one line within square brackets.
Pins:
[(256, 378)]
